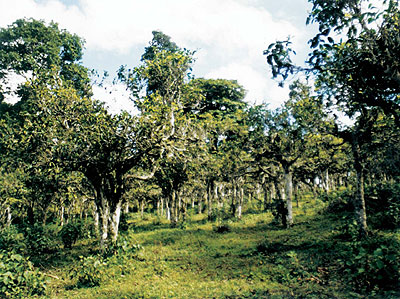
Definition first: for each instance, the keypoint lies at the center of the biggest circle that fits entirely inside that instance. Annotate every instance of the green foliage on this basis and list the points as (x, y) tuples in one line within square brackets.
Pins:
[(338, 201), (222, 228), (125, 246), (383, 203), (30, 45), (89, 271), (38, 239), (18, 278), (12, 240), (372, 263), (70, 233)]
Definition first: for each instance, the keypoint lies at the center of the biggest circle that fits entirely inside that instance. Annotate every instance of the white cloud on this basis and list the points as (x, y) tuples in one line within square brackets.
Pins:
[(230, 34)]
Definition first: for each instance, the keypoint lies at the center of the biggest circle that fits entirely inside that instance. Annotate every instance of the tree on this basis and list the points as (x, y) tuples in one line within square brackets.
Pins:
[(31, 49), (357, 72), (219, 109), (286, 138)]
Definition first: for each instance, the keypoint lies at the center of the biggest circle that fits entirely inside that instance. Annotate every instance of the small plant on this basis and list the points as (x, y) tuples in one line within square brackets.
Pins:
[(18, 278), (222, 228), (12, 239), (372, 264), (37, 240), (89, 271), (69, 234)]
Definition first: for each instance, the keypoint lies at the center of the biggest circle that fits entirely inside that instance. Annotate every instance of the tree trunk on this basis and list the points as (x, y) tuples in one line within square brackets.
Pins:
[(96, 220), (127, 207), (240, 203), (288, 196), (104, 216), (114, 223), (296, 195), (200, 204), (9, 216), (210, 185), (167, 209), (359, 200), (142, 202), (234, 198), (62, 215), (173, 208)]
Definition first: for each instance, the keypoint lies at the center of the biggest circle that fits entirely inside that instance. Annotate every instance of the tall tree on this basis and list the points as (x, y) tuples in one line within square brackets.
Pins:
[(355, 60)]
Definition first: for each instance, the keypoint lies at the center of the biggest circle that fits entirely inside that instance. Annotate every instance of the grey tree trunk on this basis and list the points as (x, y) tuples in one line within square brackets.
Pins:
[(114, 223), (210, 185), (62, 210), (359, 200), (288, 195), (96, 220), (173, 209), (9, 216), (240, 202)]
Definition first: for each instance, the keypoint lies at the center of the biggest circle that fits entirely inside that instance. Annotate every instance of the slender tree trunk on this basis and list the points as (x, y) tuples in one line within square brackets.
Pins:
[(240, 203), (96, 220), (296, 195), (8, 216), (210, 185), (179, 207), (126, 208), (200, 204), (288, 196), (359, 200), (62, 214), (142, 204), (173, 208), (104, 213), (167, 209), (234, 198)]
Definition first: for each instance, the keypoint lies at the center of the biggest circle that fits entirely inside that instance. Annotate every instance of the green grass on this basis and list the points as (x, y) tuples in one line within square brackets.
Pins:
[(255, 259)]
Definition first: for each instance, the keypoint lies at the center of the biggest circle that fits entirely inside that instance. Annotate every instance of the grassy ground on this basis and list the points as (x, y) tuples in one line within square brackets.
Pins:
[(254, 259)]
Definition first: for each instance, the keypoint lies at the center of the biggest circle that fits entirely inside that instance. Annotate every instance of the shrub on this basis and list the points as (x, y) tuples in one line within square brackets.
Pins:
[(222, 228), (37, 239), (89, 271), (383, 202), (338, 201), (69, 234), (18, 278), (372, 263), (12, 239)]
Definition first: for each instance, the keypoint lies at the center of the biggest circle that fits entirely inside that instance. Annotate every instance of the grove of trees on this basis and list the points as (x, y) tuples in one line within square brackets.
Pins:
[(194, 145)]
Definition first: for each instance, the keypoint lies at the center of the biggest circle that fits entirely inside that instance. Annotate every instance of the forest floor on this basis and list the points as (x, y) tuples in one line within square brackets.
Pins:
[(250, 258)]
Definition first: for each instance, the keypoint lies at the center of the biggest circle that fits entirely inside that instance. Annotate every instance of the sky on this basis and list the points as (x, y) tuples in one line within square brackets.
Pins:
[(229, 36)]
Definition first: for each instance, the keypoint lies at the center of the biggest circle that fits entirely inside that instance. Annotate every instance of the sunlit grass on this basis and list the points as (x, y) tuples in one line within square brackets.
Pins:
[(254, 259)]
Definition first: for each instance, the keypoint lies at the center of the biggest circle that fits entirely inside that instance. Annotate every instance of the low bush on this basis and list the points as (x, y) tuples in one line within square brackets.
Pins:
[(18, 278), (12, 239), (37, 240), (383, 204), (69, 234), (222, 228), (89, 271)]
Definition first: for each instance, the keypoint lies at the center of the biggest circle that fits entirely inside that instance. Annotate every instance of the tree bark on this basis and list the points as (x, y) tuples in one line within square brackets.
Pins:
[(114, 223), (210, 185), (359, 200), (173, 208), (240, 203), (288, 195), (9, 216)]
